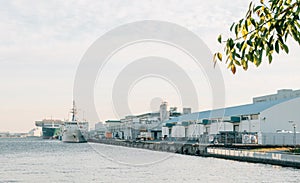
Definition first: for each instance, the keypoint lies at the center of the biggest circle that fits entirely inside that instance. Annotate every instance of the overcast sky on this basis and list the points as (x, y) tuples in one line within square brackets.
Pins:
[(42, 43)]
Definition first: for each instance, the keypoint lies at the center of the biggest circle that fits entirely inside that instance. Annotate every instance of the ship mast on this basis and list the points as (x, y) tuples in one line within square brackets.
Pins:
[(73, 111)]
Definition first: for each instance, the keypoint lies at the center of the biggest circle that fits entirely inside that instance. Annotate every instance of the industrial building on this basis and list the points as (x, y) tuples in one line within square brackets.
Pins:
[(270, 119), (143, 126)]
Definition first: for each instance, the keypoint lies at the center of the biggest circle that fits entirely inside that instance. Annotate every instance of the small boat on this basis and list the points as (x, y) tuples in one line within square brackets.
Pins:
[(75, 131)]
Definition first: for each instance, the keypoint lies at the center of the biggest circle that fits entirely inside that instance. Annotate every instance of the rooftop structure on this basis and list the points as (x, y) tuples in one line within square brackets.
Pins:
[(242, 110), (187, 110), (280, 95), (113, 122), (163, 111)]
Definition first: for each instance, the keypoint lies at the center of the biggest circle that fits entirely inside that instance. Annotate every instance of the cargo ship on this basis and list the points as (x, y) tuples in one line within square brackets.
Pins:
[(51, 128)]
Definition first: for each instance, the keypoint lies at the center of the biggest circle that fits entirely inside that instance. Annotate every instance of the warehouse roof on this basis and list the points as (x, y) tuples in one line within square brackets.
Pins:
[(247, 109)]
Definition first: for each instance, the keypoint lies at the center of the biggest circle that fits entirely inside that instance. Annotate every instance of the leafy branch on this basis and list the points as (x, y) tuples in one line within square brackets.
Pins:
[(264, 29)]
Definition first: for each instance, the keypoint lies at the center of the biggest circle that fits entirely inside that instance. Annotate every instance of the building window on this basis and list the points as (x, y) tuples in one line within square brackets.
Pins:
[(245, 118), (236, 128)]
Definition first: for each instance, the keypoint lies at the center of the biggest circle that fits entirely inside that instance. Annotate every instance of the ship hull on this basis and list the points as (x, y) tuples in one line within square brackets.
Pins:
[(75, 131), (73, 136), (50, 133)]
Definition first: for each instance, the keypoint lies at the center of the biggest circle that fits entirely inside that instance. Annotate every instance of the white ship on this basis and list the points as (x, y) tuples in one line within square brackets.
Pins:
[(75, 131)]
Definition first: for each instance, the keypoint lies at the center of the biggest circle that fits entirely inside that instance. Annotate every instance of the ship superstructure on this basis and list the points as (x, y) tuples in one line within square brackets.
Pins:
[(74, 130)]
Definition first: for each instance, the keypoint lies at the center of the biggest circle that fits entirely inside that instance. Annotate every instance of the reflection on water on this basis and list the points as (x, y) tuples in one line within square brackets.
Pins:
[(36, 160)]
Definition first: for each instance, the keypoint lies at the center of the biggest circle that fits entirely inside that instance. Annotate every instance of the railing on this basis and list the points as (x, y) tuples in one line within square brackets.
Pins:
[(283, 157)]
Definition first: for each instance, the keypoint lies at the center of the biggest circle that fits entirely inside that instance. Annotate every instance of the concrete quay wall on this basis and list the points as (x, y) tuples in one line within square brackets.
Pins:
[(206, 150), (273, 158), (173, 147)]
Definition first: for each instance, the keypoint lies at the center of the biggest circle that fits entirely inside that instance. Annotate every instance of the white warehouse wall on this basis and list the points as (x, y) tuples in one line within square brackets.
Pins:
[(278, 116), (165, 131), (195, 130), (249, 126), (127, 133), (178, 131), (220, 126)]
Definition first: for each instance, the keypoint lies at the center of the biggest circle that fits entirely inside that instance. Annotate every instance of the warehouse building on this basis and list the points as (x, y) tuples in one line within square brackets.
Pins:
[(270, 119), (146, 126)]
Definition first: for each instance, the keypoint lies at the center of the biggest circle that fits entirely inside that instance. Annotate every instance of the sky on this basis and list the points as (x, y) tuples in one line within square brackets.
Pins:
[(42, 43)]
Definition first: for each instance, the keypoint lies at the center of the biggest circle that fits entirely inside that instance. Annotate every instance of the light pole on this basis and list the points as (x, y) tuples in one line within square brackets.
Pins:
[(294, 136)]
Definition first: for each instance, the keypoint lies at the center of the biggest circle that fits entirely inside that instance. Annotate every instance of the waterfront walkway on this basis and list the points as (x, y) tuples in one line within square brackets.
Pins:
[(275, 158)]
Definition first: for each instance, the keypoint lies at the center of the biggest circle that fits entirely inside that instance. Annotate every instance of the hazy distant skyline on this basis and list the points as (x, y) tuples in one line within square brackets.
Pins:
[(42, 43)]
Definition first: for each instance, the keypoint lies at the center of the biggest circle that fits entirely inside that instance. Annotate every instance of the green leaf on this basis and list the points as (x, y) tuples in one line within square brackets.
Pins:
[(254, 37), (237, 62), (285, 36), (296, 35), (272, 26), (285, 48), (243, 53), (220, 39), (278, 28), (277, 46), (271, 48), (245, 64), (232, 26), (280, 40), (239, 46), (233, 55), (249, 42), (253, 21), (236, 29), (255, 60), (250, 5), (256, 8), (251, 57), (246, 25), (270, 41), (267, 51), (260, 57), (270, 58), (248, 57), (244, 46), (230, 43)]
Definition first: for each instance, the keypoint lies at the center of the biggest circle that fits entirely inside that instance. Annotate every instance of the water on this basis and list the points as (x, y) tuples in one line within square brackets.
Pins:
[(36, 160)]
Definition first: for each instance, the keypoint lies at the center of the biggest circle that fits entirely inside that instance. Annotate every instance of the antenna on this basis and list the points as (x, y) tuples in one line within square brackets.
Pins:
[(73, 111)]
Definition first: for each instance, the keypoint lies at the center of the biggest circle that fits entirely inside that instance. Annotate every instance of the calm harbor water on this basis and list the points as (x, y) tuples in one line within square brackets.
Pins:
[(37, 160)]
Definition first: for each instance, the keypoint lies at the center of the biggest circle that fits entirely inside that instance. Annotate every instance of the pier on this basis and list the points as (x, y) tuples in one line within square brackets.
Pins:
[(245, 153)]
